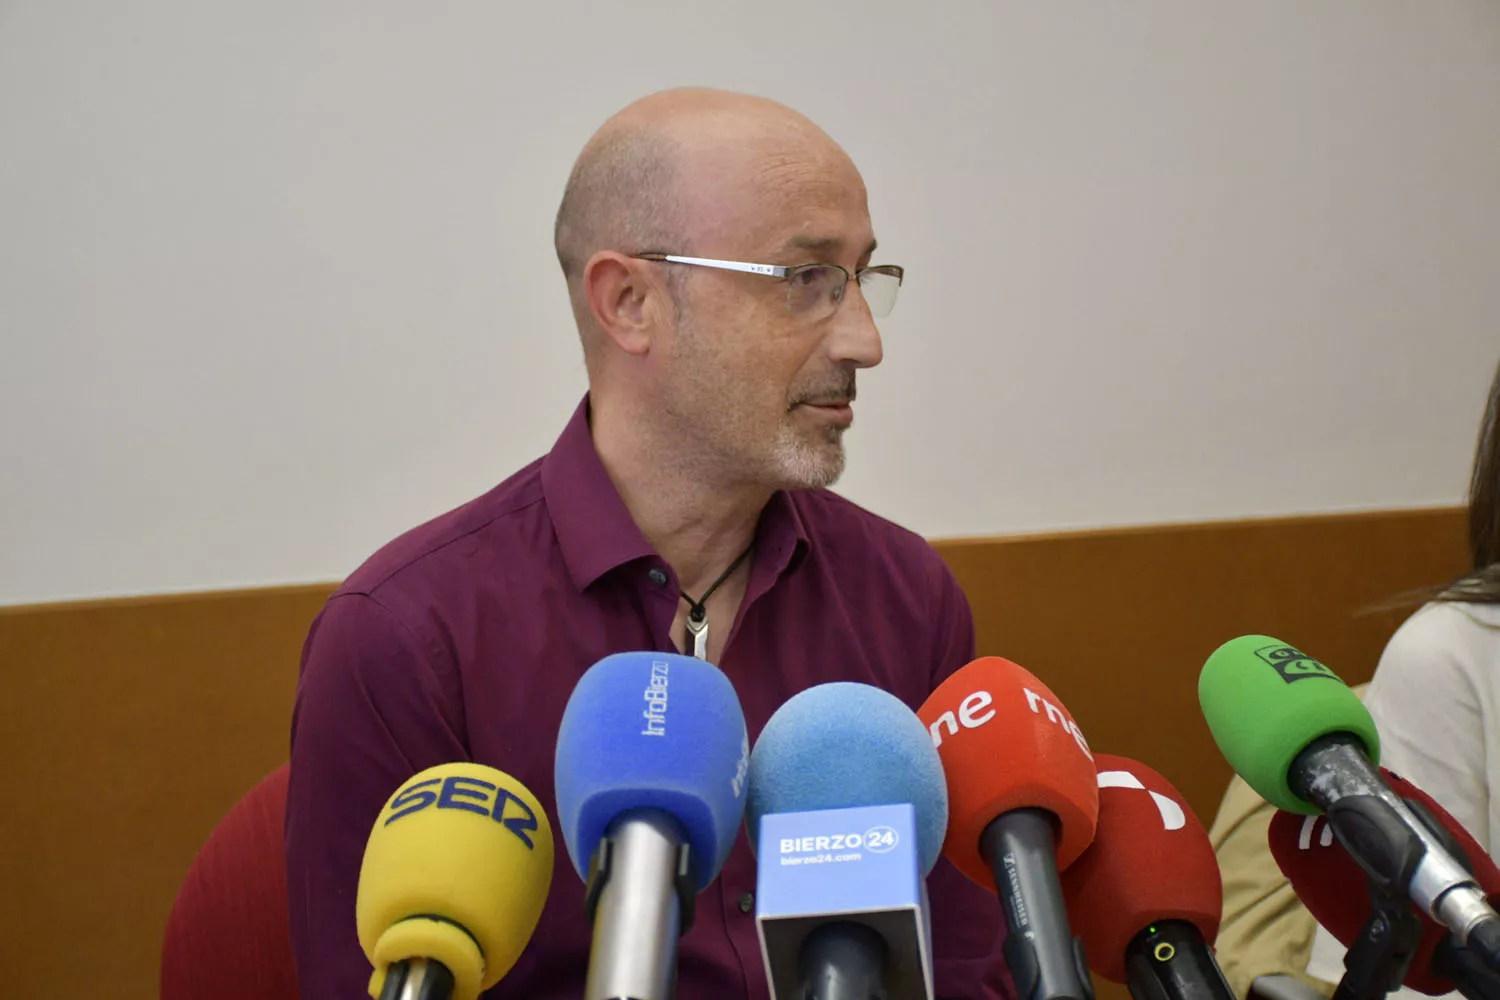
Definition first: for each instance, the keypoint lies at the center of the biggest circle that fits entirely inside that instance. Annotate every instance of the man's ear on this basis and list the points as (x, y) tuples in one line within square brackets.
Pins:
[(625, 298)]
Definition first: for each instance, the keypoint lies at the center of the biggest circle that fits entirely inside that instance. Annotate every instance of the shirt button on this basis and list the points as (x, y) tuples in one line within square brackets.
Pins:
[(747, 900), (657, 576)]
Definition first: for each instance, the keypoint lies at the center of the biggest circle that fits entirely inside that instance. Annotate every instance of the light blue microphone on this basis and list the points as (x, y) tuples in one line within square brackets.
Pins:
[(652, 761), (847, 811)]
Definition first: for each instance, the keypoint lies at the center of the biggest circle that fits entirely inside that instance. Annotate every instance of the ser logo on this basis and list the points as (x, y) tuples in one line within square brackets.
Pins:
[(1293, 664), (471, 795)]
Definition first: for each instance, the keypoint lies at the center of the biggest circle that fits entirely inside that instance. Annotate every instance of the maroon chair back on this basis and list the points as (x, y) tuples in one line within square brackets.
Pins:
[(229, 936)]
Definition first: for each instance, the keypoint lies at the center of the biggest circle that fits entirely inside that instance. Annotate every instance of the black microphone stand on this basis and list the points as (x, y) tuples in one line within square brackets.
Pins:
[(1377, 961), (1379, 958)]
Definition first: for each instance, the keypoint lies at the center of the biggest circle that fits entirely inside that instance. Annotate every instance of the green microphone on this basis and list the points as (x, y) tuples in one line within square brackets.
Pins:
[(1306, 743), (1265, 701)]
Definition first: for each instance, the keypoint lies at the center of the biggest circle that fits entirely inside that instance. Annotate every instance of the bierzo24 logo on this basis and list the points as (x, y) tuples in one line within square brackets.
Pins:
[(820, 850), (1293, 664)]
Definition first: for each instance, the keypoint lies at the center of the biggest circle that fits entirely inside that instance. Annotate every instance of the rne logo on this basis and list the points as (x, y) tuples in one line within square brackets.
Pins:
[(1059, 717), (973, 712), (976, 709)]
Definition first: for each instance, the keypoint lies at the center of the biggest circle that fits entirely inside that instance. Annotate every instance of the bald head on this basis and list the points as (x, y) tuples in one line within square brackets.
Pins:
[(677, 168), (713, 371)]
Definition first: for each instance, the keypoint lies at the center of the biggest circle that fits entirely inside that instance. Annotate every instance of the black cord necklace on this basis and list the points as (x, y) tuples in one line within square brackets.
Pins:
[(697, 616)]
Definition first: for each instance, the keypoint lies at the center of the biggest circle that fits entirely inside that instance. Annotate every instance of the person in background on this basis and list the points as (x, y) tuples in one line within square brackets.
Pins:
[(1435, 695), (1436, 691), (718, 255), (1435, 698)]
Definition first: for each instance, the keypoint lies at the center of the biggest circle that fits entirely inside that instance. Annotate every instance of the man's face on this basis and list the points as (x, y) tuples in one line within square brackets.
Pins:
[(764, 389)]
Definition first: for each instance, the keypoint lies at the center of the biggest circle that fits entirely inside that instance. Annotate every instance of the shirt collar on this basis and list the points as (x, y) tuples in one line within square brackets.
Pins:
[(781, 537), (594, 527)]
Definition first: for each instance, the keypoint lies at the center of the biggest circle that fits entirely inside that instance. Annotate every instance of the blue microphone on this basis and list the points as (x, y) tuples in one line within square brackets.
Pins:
[(652, 761), (846, 813)]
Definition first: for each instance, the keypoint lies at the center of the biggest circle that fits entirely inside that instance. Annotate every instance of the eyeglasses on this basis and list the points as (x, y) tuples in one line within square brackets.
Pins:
[(813, 291)]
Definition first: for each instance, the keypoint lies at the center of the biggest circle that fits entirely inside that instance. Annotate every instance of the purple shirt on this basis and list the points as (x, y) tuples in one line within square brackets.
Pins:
[(462, 640)]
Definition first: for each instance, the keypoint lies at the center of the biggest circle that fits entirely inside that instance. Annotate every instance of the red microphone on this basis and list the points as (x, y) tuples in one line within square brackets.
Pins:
[(1336, 892), (1022, 803), (1146, 896)]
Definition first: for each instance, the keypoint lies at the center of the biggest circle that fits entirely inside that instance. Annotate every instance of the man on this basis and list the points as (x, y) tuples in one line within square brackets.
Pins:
[(682, 508)]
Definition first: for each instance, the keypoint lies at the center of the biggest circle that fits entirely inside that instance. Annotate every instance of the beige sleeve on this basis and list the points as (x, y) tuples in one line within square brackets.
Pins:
[(1265, 929)]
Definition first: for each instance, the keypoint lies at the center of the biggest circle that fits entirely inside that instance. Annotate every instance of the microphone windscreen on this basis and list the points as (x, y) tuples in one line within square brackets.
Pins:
[(841, 745), (1007, 742), (653, 731), (458, 844), (1336, 890), (1265, 701), (1150, 861)]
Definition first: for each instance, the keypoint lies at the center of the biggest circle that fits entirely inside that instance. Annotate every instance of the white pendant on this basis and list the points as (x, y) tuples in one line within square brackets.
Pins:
[(698, 630)]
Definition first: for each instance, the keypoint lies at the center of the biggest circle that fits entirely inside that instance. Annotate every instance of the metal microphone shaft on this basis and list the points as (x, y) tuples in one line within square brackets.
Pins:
[(418, 979), (1334, 769), (638, 913)]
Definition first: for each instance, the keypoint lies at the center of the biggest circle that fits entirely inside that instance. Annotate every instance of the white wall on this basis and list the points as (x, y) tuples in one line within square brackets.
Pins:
[(276, 279)]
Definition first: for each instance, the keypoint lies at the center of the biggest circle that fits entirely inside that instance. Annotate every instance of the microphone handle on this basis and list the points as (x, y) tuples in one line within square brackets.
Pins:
[(418, 979), (1382, 834), (1045, 961), (843, 961), (636, 903), (1170, 961)]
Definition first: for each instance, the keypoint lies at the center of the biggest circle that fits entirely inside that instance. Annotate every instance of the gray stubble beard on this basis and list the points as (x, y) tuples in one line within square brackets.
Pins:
[(802, 466)]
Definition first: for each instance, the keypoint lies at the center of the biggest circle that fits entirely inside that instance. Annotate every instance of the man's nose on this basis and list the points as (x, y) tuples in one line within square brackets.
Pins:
[(854, 339)]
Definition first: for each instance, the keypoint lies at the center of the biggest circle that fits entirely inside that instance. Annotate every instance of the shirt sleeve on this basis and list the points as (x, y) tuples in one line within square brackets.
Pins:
[(1265, 931), (370, 712), (1428, 712), (967, 929)]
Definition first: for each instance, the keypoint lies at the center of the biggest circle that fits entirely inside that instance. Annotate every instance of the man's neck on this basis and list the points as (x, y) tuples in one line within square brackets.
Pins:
[(694, 521)]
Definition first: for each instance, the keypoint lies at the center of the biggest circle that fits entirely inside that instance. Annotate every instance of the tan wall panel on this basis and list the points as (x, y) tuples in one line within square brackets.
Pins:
[(1118, 623), (130, 727)]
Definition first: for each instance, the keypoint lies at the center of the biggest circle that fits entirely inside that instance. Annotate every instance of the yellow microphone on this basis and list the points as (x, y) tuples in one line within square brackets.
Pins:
[(452, 883)]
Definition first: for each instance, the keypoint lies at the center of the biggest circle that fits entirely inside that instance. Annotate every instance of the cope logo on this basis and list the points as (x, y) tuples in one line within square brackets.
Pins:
[(1293, 664), (1309, 828), (1172, 816), (473, 795)]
